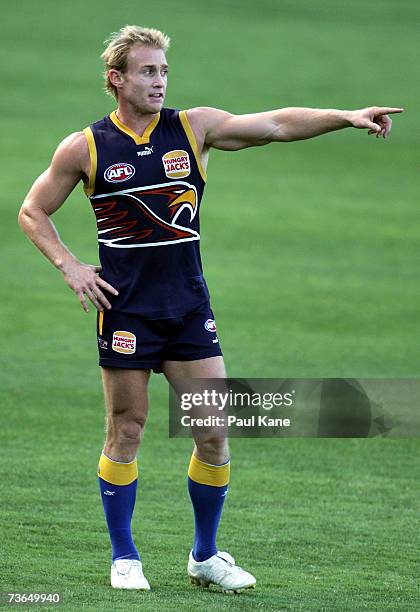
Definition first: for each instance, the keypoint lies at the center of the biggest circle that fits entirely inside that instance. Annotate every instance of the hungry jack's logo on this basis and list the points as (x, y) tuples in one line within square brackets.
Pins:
[(148, 216), (176, 164), (124, 342)]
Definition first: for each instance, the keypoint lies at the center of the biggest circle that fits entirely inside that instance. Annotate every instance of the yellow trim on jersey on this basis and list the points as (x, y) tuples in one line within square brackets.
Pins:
[(117, 473), (101, 321), (145, 137), (193, 143), (93, 161), (207, 474)]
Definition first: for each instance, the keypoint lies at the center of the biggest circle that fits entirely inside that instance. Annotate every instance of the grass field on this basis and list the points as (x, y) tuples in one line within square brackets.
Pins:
[(311, 253)]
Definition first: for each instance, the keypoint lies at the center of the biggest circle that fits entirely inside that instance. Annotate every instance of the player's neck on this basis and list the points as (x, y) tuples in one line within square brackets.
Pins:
[(134, 119)]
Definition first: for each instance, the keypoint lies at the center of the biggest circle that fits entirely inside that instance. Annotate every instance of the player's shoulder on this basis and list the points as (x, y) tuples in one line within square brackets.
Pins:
[(73, 149), (73, 140), (205, 117)]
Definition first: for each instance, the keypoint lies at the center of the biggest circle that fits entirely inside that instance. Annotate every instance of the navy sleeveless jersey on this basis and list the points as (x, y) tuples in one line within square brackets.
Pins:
[(146, 193)]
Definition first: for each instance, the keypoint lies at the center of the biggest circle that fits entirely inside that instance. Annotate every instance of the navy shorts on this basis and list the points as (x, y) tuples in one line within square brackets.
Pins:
[(130, 341)]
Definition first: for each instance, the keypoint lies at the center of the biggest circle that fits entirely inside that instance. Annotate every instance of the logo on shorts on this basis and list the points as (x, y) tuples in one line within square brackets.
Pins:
[(117, 173), (176, 164), (123, 342), (210, 325), (103, 344)]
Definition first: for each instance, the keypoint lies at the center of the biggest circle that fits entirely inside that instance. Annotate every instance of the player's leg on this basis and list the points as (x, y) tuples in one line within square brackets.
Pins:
[(208, 479), (213, 449), (126, 401), (208, 473)]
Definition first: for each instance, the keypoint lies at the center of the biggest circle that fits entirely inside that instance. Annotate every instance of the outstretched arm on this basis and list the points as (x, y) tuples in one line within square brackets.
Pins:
[(47, 194), (223, 130)]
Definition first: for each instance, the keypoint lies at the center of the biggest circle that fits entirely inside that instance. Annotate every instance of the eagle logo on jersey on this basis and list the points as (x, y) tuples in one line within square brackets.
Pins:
[(147, 216)]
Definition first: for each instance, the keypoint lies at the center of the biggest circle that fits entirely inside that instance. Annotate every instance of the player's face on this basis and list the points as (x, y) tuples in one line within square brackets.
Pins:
[(144, 82)]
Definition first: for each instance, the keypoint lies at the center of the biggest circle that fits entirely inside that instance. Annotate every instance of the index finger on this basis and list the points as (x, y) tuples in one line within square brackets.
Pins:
[(106, 285), (387, 111)]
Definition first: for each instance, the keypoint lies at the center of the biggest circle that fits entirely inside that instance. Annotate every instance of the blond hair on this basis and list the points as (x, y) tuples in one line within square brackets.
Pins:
[(119, 45)]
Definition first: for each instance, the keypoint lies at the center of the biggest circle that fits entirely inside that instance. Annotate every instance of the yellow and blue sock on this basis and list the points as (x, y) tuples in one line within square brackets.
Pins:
[(118, 486), (207, 486)]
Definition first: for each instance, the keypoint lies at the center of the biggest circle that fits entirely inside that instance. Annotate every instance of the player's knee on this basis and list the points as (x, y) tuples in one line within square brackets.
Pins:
[(212, 444), (125, 411), (130, 434), (127, 432)]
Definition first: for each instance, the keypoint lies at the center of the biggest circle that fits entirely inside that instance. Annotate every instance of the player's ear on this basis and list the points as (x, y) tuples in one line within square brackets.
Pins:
[(115, 77)]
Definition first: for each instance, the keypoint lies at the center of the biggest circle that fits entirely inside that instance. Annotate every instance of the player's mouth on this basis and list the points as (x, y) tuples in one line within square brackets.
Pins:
[(156, 96)]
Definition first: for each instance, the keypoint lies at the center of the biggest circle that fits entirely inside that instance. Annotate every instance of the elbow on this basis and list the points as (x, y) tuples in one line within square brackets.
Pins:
[(24, 217), (285, 138), (281, 135), (21, 216)]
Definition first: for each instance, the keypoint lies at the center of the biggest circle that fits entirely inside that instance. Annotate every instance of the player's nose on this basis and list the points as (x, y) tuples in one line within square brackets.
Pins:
[(159, 81)]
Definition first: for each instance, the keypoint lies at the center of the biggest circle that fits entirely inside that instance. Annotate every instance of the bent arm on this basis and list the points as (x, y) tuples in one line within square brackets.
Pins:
[(46, 196), (223, 130), (69, 165)]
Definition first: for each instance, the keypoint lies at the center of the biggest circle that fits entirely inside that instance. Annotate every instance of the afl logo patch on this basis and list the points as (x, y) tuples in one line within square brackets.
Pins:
[(117, 173), (210, 325), (123, 342), (176, 164)]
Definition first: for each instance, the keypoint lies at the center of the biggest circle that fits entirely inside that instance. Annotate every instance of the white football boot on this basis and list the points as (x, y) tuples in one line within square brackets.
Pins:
[(128, 574), (221, 570)]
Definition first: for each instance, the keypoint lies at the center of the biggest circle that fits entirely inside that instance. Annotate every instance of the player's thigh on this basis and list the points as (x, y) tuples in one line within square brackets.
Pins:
[(126, 393), (211, 442), (186, 376), (211, 367)]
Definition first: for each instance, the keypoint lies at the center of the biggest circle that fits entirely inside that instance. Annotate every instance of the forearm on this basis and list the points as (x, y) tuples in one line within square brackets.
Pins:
[(39, 228), (301, 123)]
